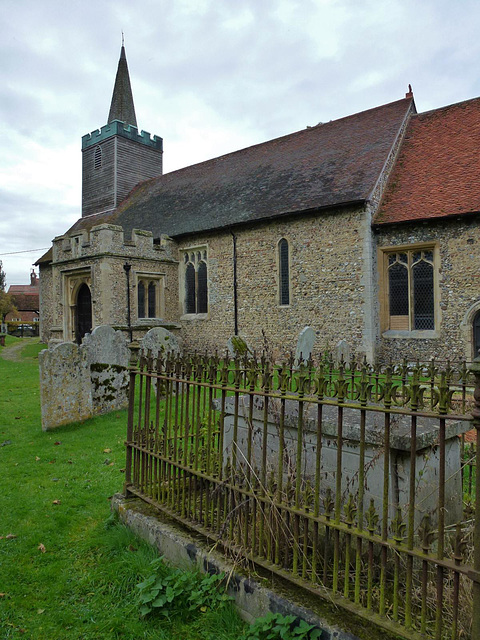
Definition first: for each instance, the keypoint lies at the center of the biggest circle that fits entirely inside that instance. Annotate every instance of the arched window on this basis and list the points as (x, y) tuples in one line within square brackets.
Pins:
[(202, 294), (196, 281), (98, 157), (152, 295), (476, 335), (411, 290), (190, 297), (141, 299), (283, 273)]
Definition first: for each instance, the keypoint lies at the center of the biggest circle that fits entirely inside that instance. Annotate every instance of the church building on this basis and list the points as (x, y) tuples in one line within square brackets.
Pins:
[(364, 228)]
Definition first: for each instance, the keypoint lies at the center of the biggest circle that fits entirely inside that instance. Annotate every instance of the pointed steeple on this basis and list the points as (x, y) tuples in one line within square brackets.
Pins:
[(122, 107)]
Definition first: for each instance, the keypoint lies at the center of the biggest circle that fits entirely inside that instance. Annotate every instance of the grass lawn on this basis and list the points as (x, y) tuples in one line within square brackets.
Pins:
[(67, 570)]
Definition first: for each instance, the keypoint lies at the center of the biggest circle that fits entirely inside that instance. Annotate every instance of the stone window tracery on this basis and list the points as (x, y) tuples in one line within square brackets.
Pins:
[(410, 289), (149, 296), (196, 282)]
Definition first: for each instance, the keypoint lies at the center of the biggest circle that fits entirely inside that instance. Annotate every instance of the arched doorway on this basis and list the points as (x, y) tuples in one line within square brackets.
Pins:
[(476, 334), (83, 316)]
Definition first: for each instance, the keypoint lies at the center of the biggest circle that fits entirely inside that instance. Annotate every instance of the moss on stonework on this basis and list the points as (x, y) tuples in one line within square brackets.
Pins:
[(239, 345)]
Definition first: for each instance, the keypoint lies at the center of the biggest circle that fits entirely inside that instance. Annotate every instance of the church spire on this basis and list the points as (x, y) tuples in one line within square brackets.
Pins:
[(122, 107)]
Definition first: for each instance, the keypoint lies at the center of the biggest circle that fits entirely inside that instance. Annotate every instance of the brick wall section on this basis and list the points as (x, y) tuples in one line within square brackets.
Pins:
[(459, 287), (326, 276)]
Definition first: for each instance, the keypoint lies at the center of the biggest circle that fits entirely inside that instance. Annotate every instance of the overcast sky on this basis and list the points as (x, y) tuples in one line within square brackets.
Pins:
[(209, 76)]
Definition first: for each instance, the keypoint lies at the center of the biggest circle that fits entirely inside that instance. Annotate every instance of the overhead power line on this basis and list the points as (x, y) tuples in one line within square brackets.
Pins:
[(13, 253)]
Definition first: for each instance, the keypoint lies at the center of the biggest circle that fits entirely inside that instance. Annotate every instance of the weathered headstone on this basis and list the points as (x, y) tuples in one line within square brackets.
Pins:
[(238, 347), (107, 360), (106, 345), (342, 349), (305, 343), (160, 341), (65, 388)]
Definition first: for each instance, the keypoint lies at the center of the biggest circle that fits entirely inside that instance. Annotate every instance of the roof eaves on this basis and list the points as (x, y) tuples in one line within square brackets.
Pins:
[(263, 219), (449, 216)]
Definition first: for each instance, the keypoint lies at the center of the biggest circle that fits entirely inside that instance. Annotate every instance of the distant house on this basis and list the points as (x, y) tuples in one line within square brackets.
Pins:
[(26, 299), (365, 228)]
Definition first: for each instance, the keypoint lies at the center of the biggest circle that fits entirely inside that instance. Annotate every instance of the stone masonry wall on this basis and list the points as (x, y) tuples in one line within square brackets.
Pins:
[(458, 288), (326, 284), (98, 258)]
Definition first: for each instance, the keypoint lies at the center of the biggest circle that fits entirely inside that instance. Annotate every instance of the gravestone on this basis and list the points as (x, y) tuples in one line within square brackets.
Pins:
[(305, 343), (107, 360), (65, 389), (342, 349), (238, 347), (160, 341)]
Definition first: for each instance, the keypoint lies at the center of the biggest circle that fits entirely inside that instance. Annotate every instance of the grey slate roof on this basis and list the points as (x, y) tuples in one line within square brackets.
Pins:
[(325, 166)]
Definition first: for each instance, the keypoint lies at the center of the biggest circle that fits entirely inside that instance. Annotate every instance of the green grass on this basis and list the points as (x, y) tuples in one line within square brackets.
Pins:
[(70, 571)]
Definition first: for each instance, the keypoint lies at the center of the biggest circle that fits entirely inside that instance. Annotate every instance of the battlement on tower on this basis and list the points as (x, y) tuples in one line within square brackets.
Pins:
[(118, 128)]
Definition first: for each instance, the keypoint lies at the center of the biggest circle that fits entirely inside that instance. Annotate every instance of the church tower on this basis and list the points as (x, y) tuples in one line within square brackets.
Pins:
[(117, 157)]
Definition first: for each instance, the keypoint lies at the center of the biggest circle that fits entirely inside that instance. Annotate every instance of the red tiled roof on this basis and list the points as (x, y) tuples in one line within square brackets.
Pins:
[(328, 165), (438, 168), (26, 302), (23, 289)]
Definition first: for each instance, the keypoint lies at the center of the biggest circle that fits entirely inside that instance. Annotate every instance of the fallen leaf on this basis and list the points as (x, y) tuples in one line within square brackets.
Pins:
[(203, 609), (57, 502), (41, 547), (17, 417), (39, 611), (107, 451), (57, 442), (132, 548), (2, 595), (52, 462), (37, 458), (111, 464), (122, 470), (10, 536)]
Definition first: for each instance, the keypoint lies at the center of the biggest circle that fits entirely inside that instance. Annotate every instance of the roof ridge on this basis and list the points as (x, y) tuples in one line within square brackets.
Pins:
[(286, 136)]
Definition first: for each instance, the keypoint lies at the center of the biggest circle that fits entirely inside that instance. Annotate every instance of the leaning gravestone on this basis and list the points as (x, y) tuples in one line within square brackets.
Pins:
[(341, 350), (305, 343), (160, 341), (238, 347), (65, 389), (107, 359)]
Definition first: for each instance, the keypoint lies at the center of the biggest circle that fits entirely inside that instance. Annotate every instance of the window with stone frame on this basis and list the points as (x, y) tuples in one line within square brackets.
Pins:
[(283, 273), (149, 295), (195, 281), (410, 288)]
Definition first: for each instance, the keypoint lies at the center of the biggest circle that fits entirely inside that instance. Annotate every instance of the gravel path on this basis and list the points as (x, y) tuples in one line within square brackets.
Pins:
[(13, 352)]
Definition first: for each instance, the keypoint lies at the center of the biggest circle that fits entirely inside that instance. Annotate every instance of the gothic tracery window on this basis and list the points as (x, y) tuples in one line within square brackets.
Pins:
[(149, 296), (411, 289), (196, 282)]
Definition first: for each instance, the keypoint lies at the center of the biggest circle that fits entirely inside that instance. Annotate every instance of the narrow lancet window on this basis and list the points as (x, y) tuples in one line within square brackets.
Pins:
[(284, 275)]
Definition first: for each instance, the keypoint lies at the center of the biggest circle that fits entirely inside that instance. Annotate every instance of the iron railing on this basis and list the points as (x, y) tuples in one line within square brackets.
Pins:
[(355, 482)]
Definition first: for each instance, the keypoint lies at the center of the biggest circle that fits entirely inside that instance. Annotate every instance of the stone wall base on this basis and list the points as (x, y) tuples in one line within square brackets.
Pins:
[(254, 598)]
